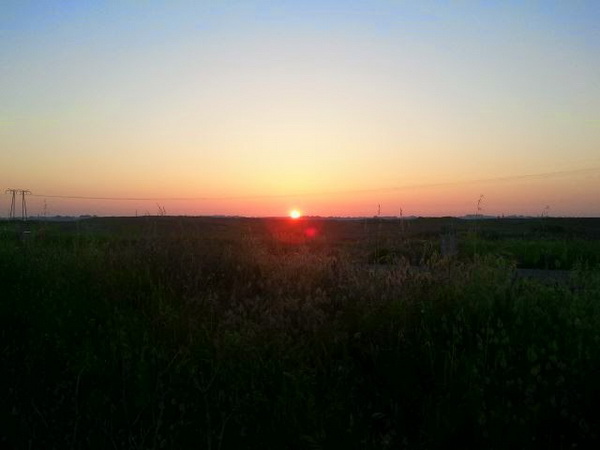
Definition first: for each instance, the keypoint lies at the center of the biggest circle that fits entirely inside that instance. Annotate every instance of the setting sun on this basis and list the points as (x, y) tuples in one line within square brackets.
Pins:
[(295, 214)]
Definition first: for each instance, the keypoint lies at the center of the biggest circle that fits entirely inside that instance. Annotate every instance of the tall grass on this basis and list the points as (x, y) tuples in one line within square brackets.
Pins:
[(180, 342)]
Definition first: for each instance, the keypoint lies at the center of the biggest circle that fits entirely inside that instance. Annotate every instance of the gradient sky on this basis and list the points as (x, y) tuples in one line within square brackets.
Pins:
[(333, 107)]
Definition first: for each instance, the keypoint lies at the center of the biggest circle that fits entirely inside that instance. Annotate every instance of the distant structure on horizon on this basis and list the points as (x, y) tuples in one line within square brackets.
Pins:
[(13, 203)]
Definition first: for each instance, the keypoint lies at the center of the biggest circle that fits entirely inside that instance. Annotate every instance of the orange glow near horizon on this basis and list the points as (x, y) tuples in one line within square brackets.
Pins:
[(367, 111)]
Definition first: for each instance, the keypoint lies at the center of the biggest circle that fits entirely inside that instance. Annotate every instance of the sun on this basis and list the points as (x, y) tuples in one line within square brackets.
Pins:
[(295, 214)]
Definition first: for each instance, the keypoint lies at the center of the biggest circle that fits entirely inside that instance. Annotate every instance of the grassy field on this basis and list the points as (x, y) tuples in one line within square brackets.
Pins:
[(163, 332)]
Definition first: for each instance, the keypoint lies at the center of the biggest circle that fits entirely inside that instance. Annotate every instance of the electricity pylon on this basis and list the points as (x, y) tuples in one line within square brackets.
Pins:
[(14, 193), (24, 192)]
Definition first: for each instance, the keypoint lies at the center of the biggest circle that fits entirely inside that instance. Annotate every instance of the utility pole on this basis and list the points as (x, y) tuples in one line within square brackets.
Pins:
[(24, 192), (14, 193)]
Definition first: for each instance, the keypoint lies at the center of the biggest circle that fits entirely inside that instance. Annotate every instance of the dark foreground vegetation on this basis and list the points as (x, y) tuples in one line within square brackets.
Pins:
[(271, 334)]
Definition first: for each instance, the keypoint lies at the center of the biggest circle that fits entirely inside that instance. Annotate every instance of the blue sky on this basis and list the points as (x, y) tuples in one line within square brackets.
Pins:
[(302, 99)]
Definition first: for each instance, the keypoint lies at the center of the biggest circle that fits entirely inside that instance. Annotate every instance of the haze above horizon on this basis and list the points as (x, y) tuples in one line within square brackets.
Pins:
[(332, 107)]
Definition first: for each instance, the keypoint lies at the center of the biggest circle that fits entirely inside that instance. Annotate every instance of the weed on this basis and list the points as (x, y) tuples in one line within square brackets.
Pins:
[(175, 337)]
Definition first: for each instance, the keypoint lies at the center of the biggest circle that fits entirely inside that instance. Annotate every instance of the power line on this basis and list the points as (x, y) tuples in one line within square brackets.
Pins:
[(324, 193)]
